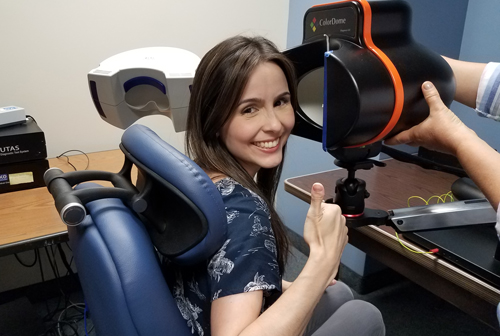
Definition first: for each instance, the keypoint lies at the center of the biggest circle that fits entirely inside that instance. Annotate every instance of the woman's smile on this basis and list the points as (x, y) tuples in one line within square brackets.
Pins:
[(269, 145)]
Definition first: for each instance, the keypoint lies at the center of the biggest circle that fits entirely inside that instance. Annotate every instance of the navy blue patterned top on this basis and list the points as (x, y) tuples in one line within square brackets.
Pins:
[(246, 262)]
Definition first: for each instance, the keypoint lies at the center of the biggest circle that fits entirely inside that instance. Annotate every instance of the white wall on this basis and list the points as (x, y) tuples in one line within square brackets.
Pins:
[(48, 47)]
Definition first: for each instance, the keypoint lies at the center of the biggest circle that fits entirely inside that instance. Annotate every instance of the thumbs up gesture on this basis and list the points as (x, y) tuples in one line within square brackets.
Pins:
[(325, 231)]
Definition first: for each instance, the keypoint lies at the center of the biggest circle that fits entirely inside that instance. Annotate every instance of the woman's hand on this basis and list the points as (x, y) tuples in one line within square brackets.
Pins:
[(442, 131), (325, 232)]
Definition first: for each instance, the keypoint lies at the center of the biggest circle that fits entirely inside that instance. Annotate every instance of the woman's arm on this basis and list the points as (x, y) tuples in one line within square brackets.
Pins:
[(468, 76), (285, 285), (326, 234)]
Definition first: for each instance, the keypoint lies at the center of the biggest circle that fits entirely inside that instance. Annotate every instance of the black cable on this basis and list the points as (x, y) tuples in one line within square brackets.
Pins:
[(26, 265), (41, 269), (56, 275), (70, 263), (67, 158), (65, 261), (28, 116), (72, 318), (71, 260), (55, 260), (43, 280), (67, 321), (49, 316), (53, 328), (75, 150), (69, 324)]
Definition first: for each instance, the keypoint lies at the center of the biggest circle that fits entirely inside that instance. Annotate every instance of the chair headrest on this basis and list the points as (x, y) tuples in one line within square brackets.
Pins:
[(183, 202)]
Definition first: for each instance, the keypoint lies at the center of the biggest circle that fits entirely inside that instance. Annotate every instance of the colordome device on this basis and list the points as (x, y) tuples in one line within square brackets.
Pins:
[(360, 74)]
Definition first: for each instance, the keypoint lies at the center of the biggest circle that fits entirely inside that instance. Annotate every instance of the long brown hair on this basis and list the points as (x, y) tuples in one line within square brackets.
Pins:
[(218, 85)]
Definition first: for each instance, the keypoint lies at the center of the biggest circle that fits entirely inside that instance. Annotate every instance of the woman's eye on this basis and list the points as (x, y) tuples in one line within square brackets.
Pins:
[(249, 109), (281, 102)]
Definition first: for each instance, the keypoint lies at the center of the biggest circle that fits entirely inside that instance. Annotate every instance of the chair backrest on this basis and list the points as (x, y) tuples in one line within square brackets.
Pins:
[(114, 247)]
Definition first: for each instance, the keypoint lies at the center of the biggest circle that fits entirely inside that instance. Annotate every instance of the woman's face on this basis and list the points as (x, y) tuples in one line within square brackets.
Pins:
[(262, 121)]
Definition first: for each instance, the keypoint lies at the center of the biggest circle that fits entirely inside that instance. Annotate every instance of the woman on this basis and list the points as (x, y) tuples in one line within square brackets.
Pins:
[(240, 116)]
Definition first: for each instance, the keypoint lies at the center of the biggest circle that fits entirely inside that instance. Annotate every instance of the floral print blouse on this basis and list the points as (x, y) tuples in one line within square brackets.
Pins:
[(247, 261)]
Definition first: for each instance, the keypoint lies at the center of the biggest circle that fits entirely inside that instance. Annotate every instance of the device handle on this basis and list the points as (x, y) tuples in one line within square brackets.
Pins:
[(69, 206), (70, 203)]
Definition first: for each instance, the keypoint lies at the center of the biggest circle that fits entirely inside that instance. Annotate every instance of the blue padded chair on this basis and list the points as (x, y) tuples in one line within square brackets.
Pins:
[(117, 233)]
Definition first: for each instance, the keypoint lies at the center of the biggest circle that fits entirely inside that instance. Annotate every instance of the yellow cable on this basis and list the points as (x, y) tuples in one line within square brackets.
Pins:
[(435, 196), (409, 249), (441, 198), (450, 195), (409, 198)]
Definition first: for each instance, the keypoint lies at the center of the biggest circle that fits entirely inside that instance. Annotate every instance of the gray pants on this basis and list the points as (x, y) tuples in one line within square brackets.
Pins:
[(338, 314)]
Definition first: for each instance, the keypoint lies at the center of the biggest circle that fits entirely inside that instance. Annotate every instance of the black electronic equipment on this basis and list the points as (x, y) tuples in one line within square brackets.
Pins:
[(465, 189), (22, 175), (470, 248), (22, 142), (22, 157), (359, 74)]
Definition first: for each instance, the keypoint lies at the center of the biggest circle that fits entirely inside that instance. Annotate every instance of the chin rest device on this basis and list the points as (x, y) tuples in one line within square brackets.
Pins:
[(359, 74), (142, 82), (115, 232)]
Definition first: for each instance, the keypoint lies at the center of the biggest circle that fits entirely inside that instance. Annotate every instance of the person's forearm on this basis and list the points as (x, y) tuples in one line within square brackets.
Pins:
[(467, 76), (481, 162), (291, 313)]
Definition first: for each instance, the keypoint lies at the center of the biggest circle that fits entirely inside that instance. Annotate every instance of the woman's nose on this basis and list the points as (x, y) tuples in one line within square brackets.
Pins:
[(272, 122)]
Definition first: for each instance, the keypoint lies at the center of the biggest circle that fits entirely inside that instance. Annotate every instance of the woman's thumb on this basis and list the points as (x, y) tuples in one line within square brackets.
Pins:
[(431, 95), (317, 195)]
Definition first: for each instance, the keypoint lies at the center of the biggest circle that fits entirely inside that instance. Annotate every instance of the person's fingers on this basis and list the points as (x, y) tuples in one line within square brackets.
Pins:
[(432, 96), (401, 138), (435, 103), (317, 195)]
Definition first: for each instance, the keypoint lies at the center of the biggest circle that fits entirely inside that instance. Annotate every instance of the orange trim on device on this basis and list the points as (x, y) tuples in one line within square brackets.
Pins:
[(393, 72)]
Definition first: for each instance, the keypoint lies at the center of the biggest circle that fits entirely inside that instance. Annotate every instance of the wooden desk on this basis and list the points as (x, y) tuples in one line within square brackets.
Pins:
[(28, 218), (390, 188)]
